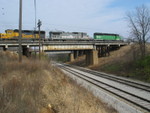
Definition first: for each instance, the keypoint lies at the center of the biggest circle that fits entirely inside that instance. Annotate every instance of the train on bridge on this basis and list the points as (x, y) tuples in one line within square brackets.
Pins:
[(57, 35), (26, 34)]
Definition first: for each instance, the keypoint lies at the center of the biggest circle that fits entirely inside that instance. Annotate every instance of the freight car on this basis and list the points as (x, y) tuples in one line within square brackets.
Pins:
[(26, 34), (106, 36), (61, 35)]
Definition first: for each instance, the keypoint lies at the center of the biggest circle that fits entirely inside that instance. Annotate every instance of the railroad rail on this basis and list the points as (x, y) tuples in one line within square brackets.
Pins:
[(135, 93), (132, 83)]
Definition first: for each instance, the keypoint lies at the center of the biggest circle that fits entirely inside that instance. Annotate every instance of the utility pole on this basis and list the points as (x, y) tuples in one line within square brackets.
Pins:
[(39, 25), (35, 12), (35, 25), (20, 31)]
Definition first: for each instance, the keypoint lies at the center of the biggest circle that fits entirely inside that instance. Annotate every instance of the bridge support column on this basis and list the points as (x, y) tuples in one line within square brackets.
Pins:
[(5, 48), (108, 50), (71, 55), (26, 52), (81, 53), (103, 51), (99, 51), (76, 54), (92, 57)]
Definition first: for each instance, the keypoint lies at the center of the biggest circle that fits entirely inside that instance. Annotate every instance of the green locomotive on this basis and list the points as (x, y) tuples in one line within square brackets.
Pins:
[(106, 36)]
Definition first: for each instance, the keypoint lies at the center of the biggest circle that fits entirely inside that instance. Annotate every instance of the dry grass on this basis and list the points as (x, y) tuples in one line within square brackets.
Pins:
[(125, 55), (32, 86)]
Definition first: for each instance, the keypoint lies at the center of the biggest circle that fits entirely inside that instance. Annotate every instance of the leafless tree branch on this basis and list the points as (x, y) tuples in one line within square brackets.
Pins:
[(139, 22)]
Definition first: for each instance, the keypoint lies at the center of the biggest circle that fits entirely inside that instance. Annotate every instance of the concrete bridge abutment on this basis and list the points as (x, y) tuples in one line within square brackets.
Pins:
[(91, 57), (71, 56)]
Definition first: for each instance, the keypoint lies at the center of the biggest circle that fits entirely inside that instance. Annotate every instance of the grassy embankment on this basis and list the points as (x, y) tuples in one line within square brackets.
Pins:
[(34, 86), (123, 62)]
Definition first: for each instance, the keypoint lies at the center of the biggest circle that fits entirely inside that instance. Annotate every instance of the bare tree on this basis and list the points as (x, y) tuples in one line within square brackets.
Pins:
[(139, 23)]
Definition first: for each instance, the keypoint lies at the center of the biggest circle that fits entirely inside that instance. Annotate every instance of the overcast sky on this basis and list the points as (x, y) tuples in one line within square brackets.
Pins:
[(70, 15)]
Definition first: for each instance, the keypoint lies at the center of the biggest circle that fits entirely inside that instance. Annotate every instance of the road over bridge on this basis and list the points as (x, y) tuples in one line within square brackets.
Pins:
[(92, 48)]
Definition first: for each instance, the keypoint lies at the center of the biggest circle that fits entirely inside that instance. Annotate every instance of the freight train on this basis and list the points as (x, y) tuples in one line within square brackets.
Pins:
[(26, 34), (57, 35)]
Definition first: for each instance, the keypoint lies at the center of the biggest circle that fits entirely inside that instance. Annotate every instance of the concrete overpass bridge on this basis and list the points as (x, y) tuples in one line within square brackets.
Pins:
[(92, 48)]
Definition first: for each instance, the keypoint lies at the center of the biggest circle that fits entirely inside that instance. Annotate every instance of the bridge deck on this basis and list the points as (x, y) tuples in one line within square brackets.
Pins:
[(63, 45)]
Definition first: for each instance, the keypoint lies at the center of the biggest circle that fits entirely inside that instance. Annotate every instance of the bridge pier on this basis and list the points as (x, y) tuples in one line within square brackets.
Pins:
[(91, 57), (108, 50), (5, 48), (71, 56), (81, 52), (76, 54), (103, 51), (25, 51)]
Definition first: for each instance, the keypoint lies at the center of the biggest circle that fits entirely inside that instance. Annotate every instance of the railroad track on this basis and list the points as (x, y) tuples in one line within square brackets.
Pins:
[(136, 93), (121, 80)]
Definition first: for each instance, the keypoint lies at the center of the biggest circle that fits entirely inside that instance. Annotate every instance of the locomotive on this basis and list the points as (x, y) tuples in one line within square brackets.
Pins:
[(57, 35), (61, 35), (106, 36), (26, 34)]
